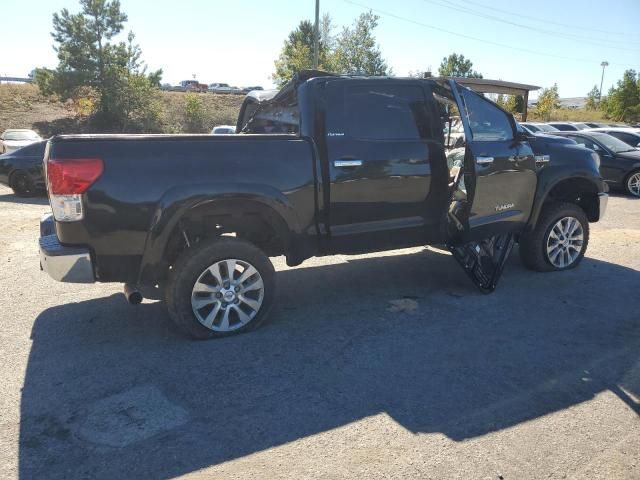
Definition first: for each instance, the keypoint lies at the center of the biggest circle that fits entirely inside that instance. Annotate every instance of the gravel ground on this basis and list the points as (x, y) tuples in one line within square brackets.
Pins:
[(376, 366)]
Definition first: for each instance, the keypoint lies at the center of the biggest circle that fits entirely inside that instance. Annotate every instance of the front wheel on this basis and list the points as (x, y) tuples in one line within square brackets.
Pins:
[(632, 184), (559, 240), (220, 287)]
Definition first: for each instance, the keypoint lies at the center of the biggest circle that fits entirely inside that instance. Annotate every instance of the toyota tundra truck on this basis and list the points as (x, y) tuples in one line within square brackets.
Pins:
[(328, 165)]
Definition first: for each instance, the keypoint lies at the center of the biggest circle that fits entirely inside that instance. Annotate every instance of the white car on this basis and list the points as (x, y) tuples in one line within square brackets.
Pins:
[(15, 138), (223, 130), (221, 88)]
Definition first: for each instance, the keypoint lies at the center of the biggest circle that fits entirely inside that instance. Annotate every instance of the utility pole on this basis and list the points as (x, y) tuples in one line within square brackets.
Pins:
[(316, 37), (603, 65)]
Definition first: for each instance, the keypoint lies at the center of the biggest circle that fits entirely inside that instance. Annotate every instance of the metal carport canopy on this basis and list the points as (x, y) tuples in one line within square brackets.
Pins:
[(483, 85)]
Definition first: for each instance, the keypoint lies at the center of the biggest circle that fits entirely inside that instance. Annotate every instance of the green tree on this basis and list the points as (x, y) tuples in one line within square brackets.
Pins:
[(593, 98), (90, 58), (297, 52), (623, 101), (548, 102), (357, 51), (514, 104), (194, 114), (457, 66)]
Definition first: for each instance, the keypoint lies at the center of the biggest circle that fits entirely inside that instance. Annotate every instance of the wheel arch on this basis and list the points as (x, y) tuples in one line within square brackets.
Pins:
[(267, 221), (579, 190)]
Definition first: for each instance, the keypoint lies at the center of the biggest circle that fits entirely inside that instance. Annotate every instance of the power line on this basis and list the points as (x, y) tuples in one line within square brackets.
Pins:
[(585, 40), (544, 20), (477, 39)]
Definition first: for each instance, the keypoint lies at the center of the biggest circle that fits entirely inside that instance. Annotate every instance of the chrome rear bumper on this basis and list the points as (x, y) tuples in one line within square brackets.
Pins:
[(63, 263)]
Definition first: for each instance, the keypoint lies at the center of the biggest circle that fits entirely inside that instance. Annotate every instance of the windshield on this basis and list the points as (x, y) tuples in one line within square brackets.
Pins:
[(18, 136), (546, 128), (612, 143)]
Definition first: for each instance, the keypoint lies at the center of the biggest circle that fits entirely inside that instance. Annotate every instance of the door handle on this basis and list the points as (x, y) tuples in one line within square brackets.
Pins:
[(484, 160), (347, 163)]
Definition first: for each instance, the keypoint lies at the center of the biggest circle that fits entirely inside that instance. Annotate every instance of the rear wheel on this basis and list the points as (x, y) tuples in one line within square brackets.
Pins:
[(559, 240), (220, 287), (632, 184), (21, 184)]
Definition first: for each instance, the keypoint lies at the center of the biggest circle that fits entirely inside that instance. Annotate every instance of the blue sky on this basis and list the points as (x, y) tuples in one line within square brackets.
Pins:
[(236, 41)]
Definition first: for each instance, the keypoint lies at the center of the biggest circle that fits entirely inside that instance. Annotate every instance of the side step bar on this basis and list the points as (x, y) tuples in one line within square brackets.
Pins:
[(484, 260)]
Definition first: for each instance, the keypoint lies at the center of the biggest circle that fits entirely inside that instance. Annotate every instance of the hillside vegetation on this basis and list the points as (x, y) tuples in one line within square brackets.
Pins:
[(22, 106)]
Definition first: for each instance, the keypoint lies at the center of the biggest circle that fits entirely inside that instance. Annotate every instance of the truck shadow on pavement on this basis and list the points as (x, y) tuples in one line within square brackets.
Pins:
[(111, 391), (36, 199)]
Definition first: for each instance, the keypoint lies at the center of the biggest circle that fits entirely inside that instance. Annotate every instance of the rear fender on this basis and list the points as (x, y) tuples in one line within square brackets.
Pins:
[(178, 202)]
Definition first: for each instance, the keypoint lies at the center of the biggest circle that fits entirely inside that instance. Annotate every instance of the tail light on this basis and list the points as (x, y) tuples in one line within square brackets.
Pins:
[(67, 180)]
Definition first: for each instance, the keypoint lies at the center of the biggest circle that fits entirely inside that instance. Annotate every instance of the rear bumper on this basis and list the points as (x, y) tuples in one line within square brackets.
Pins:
[(63, 263)]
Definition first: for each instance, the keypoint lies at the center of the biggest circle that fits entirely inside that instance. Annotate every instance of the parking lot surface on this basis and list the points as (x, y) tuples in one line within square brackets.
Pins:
[(387, 365)]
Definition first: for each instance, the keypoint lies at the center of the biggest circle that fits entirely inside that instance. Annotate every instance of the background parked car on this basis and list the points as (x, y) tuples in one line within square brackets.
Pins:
[(531, 128), (619, 162), (629, 136), (595, 124), (251, 89), (193, 86), (22, 169), (15, 138), (544, 127), (223, 130), (222, 88), (568, 126)]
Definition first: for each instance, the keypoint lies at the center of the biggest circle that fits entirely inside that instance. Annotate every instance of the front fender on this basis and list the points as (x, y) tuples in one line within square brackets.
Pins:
[(569, 165), (176, 202)]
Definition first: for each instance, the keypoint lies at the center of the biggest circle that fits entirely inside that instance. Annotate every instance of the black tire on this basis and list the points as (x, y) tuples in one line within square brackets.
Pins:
[(21, 184), (533, 245), (627, 186), (193, 263)]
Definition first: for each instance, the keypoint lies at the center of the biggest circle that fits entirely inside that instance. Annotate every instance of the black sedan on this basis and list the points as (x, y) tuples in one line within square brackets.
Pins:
[(22, 169), (619, 162)]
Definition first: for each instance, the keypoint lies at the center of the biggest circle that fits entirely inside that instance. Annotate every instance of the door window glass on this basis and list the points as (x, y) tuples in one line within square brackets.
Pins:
[(487, 121), (389, 113), (587, 142)]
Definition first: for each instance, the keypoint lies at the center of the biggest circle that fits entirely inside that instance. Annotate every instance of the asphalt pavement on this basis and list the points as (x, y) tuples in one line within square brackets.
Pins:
[(388, 365)]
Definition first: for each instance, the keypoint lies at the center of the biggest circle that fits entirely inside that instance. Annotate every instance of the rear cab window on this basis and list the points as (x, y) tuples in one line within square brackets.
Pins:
[(389, 112)]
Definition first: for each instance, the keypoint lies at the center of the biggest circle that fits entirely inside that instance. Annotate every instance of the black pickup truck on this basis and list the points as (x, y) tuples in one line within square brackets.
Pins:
[(329, 164)]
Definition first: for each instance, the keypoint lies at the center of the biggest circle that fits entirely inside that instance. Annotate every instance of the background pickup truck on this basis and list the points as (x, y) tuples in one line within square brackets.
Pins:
[(330, 164)]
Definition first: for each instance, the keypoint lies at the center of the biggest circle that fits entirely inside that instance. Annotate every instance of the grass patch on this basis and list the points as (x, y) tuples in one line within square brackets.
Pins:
[(22, 106)]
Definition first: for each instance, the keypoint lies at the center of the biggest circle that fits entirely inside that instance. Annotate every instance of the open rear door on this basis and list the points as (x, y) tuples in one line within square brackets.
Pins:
[(493, 198)]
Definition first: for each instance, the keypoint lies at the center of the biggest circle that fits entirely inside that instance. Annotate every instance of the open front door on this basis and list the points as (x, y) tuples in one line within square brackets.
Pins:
[(494, 197)]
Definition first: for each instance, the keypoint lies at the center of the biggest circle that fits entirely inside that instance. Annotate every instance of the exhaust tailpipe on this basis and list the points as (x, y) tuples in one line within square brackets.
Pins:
[(132, 294)]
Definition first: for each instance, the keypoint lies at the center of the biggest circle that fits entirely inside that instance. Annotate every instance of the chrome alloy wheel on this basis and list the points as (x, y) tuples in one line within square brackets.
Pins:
[(565, 242), (227, 295), (633, 184)]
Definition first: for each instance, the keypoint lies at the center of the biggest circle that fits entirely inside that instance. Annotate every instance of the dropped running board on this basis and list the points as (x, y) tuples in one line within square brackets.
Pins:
[(484, 260)]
